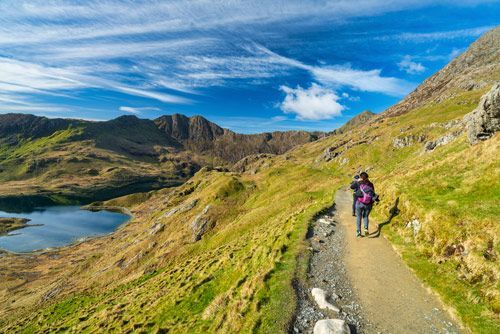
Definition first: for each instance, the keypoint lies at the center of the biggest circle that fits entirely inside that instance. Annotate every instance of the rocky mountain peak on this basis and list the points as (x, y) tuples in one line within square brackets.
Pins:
[(473, 69), (181, 127)]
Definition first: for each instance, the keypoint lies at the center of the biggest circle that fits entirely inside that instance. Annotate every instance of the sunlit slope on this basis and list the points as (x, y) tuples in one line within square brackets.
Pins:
[(153, 274)]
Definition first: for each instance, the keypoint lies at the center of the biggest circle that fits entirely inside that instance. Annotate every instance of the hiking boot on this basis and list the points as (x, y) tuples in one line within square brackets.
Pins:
[(366, 232), (358, 234)]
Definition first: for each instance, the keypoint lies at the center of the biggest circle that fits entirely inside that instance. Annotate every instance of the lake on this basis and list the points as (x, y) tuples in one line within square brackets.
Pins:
[(58, 226)]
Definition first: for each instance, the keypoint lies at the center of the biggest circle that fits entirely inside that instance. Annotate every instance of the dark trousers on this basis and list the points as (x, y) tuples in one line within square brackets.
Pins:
[(354, 199), (362, 211)]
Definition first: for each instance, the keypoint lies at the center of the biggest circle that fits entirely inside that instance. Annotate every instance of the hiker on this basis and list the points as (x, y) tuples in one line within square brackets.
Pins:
[(366, 197), (355, 188)]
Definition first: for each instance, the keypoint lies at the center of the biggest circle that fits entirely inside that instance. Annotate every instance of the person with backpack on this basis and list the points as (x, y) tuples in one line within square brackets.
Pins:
[(366, 197), (355, 188)]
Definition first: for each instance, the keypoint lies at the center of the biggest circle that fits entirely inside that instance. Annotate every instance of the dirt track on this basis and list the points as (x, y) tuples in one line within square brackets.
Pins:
[(392, 298), (378, 293)]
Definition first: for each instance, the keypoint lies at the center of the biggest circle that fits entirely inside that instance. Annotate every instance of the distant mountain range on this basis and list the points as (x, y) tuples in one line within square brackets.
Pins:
[(140, 137), (89, 160)]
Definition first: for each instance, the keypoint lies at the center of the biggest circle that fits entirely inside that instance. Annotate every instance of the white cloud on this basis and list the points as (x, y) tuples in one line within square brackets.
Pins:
[(24, 77), (279, 118), (439, 35), (136, 110), (409, 66), (314, 103), (369, 81), (350, 98)]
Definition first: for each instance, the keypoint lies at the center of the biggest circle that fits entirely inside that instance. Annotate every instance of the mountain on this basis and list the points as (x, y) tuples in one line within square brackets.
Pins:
[(16, 126), (222, 252), (199, 135), (77, 160), (355, 122), (183, 128), (474, 69)]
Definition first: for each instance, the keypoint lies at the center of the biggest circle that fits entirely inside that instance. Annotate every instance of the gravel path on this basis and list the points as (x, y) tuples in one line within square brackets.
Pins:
[(327, 271), (366, 279)]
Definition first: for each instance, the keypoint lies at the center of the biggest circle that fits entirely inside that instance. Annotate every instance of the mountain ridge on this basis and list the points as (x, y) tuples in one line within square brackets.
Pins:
[(475, 69)]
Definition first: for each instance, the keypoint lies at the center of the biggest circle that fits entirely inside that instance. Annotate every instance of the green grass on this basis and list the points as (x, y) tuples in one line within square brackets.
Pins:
[(442, 278), (16, 160)]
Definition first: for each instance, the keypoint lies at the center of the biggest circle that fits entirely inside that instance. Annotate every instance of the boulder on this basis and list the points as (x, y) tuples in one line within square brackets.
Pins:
[(331, 326), (201, 224), (320, 296), (484, 121)]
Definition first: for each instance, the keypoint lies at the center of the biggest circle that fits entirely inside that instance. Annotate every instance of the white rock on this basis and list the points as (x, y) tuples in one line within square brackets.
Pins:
[(331, 326), (324, 221), (320, 296)]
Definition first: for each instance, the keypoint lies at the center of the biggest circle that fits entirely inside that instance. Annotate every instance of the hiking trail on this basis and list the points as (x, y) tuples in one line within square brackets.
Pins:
[(366, 279)]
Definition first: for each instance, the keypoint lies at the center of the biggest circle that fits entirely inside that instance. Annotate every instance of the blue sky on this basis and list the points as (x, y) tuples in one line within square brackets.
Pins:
[(251, 66)]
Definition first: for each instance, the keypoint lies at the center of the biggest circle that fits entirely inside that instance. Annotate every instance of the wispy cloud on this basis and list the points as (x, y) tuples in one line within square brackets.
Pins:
[(24, 77), (171, 51), (337, 75), (438, 35), (137, 110), (409, 66)]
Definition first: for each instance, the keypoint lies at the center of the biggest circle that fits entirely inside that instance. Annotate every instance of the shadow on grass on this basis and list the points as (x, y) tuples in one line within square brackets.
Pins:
[(393, 212)]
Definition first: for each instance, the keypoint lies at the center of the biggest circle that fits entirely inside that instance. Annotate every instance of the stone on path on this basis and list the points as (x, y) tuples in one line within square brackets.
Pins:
[(331, 326), (320, 296)]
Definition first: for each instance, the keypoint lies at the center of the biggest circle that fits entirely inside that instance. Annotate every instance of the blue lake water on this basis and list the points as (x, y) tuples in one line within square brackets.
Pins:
[(60, 226)]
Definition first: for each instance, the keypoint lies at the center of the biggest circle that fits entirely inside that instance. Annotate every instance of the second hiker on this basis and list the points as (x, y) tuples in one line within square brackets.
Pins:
[(366, 196)]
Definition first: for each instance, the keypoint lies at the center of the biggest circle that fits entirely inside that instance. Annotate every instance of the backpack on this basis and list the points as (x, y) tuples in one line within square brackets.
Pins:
[(368, 194)]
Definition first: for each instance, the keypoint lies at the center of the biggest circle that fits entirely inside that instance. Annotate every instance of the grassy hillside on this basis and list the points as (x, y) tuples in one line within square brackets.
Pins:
[(153, 275), (60, 169), (238, 277)]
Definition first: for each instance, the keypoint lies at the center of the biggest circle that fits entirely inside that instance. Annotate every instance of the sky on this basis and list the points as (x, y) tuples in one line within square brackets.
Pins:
[(251, 66)]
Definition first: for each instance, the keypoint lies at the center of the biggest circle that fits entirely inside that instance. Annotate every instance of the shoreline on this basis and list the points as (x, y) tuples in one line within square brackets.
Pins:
[(89, 207), (12, 224)]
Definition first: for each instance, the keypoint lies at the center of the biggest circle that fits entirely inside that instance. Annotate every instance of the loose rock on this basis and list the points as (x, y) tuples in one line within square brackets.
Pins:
[(331, 326), (320, 296)]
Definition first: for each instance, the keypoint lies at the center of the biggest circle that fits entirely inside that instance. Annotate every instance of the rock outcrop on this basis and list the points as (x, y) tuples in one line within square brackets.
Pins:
[(446, 139), (484, 121), (201, 224), (252, 163), (401, 142)]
